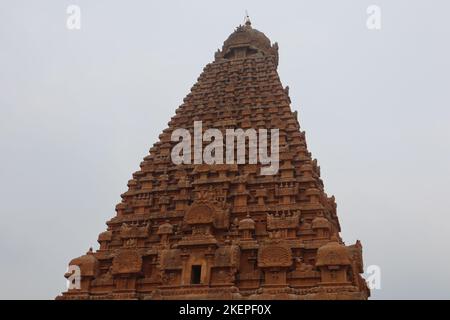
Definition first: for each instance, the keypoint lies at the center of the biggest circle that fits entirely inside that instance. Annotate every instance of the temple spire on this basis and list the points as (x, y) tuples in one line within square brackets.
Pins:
[(221, 230)]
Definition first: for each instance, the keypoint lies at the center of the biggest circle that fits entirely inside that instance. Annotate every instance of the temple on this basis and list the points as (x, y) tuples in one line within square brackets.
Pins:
[(224, 231)]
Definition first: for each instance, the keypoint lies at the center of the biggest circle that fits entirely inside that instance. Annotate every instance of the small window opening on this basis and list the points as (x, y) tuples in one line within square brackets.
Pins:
[(196, 273)]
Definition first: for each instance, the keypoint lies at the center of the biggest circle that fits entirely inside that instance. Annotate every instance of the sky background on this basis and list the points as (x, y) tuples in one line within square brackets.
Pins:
[(80, 109)]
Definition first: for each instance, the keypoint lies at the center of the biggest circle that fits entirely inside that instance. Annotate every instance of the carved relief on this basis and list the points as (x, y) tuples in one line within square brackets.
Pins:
[(283, 221), (205, 213), (199, 214), (134, 231), (274, 255), (227, 256), (127, 261)]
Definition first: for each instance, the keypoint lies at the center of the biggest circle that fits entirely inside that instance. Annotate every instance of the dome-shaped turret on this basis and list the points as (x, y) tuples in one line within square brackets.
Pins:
[(320, 222), (332, 254), (247, 224), (247, 36), (246, 41), (87, 264), (105, 236)]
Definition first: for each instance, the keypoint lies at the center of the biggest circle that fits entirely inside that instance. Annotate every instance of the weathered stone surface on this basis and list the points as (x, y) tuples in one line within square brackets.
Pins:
[(226, 231)]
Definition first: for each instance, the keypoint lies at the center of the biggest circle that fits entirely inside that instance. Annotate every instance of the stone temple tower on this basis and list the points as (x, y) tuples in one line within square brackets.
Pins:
[(225, 231)]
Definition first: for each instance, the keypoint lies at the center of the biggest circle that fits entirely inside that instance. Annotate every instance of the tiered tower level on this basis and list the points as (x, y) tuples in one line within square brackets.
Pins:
[(225, 231)]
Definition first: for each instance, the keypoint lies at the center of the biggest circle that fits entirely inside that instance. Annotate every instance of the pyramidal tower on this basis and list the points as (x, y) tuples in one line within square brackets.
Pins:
[(221, 230)]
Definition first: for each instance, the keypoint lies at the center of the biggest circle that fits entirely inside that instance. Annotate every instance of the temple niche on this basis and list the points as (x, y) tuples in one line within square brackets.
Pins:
[(225, 231)]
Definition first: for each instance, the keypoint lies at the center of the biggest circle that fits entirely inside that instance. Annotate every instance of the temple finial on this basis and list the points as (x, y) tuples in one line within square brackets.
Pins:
[(247, 19)]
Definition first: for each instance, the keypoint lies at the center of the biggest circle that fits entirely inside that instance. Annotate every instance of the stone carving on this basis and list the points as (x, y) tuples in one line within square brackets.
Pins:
[(200, 214), (165, 229), (127, 261), (133, 231), (105, 279), (282, 221), (302, 266), (274, 255), (227, 256), (171, 259)]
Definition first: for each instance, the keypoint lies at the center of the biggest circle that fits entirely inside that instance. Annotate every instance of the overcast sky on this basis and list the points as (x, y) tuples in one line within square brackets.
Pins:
[(79, 109)]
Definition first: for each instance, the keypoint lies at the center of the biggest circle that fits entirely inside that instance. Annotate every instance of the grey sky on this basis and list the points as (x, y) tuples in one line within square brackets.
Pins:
[(80, 109)]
